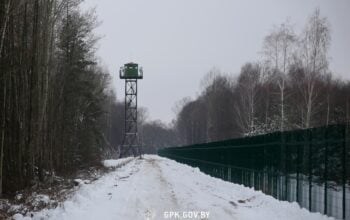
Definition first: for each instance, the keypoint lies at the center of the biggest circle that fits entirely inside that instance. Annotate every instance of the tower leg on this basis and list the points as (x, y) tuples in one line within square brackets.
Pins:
[(130, 143)]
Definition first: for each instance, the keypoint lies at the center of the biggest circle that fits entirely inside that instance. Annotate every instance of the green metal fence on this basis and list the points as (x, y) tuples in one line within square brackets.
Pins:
[(310, 166)]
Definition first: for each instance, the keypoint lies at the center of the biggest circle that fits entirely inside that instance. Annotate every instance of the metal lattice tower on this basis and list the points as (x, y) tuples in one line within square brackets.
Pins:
[(131, 73)]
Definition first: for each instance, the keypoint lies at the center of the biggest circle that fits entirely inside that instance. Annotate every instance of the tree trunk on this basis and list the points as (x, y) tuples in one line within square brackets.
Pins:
[(3, 135), (4, 26), (282, 87)]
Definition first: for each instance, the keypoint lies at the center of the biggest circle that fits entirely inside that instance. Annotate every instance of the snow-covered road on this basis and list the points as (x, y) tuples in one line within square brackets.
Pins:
[(158, 188)]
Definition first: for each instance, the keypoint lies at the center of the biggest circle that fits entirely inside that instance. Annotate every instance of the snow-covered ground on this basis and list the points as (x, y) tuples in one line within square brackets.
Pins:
[(159, 188), (116, 163)]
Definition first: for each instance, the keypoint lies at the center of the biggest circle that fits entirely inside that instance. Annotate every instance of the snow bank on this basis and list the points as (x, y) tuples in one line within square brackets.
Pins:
[(222, 198), (116, 163), (153, 187)]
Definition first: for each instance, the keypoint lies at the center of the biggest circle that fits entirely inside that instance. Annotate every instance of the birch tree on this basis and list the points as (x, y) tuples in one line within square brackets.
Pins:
[(247, 89), (314, 46), (278, 51)]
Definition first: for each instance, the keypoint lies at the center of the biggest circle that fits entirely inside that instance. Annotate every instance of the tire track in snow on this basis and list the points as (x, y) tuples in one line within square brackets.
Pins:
[(166, 186), (149, 193)]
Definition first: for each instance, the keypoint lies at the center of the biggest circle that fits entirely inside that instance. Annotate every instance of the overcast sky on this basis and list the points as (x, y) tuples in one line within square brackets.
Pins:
[(178, 41)]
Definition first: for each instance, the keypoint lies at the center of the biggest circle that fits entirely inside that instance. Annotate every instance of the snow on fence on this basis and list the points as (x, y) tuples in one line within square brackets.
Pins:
[(310, 167)]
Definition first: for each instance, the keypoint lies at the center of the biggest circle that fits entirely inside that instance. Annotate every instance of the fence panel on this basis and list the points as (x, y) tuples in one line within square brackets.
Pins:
[(309, 166)]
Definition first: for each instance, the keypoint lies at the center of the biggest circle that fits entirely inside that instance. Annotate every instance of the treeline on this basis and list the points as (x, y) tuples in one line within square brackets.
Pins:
[(54, 96), (291, 87), (152, 135)]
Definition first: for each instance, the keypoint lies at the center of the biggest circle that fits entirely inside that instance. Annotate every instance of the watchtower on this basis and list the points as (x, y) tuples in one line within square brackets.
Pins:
[(131, 72)]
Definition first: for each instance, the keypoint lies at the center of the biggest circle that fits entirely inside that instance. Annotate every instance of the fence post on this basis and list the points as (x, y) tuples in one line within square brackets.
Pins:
[(229, 174), (310, 168), (298, 171), (229, 162), (282, 170), (285, 168), (345, 129), (263, 171), (326, 171)]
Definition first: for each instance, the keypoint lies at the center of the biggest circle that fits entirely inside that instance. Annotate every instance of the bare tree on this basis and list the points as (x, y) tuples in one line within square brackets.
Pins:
[(247, 90), (278, 46), (314, 45), (205, 84), (278, 50), (142, 116)]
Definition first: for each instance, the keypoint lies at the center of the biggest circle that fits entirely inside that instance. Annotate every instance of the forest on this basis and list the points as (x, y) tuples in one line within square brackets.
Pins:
[(290, 87), (59, 112), (54, 94)]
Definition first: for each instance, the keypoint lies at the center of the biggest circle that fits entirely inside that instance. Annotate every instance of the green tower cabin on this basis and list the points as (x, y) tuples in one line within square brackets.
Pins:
[(130, 72)]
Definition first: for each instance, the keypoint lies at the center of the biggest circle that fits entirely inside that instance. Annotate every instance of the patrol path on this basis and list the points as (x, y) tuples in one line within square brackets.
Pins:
[(159, 188)]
